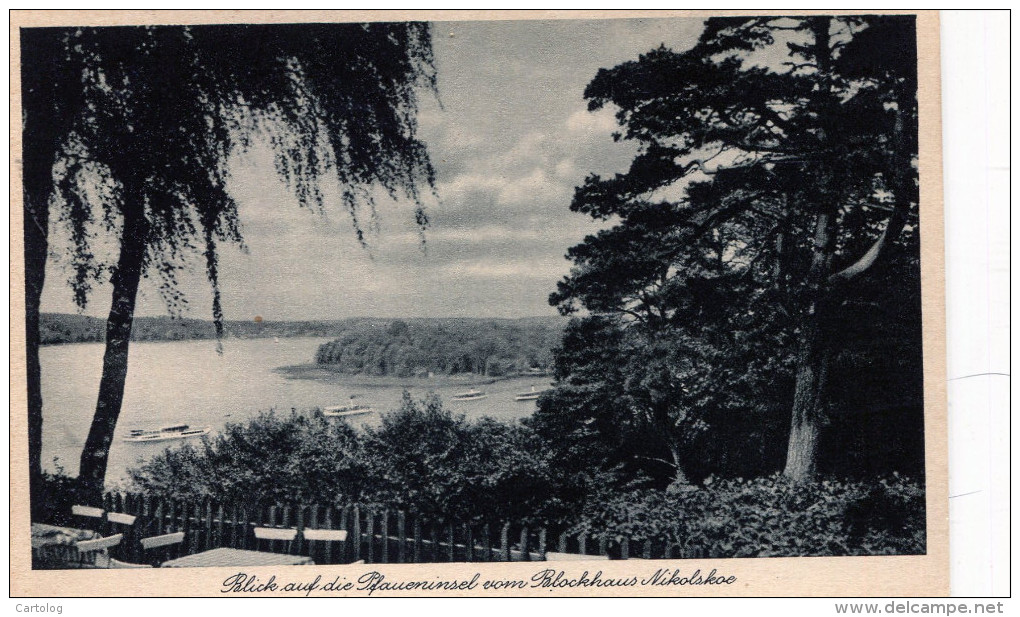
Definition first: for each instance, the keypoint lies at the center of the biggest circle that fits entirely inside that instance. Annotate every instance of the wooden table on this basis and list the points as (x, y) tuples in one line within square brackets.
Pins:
[(236, 557), (54, 547)]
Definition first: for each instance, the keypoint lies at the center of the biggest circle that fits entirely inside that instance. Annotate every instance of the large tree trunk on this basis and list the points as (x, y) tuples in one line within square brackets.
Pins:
[(96, 453), (42, 131), (807, 417), (812, 362), (36, 224)]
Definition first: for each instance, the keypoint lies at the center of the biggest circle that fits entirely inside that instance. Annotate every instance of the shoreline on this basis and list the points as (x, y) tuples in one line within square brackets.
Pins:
[(324, 373)]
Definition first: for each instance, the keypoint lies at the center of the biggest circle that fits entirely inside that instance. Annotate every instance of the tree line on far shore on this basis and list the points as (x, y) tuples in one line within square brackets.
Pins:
[(61, 328), (507, 345)]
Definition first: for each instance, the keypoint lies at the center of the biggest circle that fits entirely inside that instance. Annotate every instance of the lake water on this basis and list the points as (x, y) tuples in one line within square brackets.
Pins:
[(189, 383)]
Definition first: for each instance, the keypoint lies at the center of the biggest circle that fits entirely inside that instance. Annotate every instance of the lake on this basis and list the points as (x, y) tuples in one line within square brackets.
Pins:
[(189, 383)]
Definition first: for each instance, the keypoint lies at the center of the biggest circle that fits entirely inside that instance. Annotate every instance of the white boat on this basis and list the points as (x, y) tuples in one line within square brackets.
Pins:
[(174, 431), (345, 411), (470, 395), (530, 396)]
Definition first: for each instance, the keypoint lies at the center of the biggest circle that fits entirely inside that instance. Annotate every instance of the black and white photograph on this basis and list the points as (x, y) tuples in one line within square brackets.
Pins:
[(620, 291)]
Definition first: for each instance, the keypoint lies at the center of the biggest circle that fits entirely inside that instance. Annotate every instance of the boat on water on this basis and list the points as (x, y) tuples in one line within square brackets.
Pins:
[(532, 395), (346, 411), (470, 395), (174, 431)]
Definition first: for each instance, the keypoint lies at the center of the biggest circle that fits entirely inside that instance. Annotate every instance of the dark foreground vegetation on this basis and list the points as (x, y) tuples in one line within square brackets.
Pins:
[(432, 464)]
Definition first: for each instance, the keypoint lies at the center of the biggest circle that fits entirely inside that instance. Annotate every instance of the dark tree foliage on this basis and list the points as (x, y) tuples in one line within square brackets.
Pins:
[(751, 260), (270, 459), (421, 459), (128, 132), (433, 463), (588, 432)]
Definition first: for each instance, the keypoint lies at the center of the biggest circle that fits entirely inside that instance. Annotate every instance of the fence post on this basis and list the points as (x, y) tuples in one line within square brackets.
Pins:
[(625, 548), (647, 553), (157, 516), (200, 526), (345, 524), (312, 523), (328, 524), (219, 526), (525, 554), (189, 527), (370, 532), (155, 509), (299, 524), (171, 526), (285, 523), (171, 516), (433, 543), (452, 550), (104, 525), (384, 527), (487, 542), (469, 542), (132, 506), (241, 528), (504, 542), (417, 539), (541, 543), (235, 516), (561, 546), (603, 544), (401, 537), (582, 543), (356, 515)]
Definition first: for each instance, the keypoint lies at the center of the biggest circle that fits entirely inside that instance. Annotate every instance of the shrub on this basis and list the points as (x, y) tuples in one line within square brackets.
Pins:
[(271, 458), (59, 494), (429, 461), (773, 517), (421, 459)]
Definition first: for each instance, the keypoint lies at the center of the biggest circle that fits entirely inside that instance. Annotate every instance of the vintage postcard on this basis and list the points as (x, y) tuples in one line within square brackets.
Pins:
[(477, 303)]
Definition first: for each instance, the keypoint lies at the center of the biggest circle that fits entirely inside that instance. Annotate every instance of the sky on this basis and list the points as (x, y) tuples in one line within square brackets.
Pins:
[(510, 137)]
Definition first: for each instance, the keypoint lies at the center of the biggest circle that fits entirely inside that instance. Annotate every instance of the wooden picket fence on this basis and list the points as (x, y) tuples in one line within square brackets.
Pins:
[(373, 536)]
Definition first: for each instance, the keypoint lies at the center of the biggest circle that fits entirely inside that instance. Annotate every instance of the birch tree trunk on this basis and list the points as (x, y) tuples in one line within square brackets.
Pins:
[(96, 453)]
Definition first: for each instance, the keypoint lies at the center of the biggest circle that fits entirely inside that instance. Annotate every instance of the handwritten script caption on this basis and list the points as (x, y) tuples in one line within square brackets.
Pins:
[(550, 579)]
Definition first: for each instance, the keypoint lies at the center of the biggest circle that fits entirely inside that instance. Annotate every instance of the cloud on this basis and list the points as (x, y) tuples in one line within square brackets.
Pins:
[(505, 270), (601, 122), (510, 138)]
